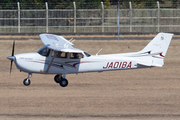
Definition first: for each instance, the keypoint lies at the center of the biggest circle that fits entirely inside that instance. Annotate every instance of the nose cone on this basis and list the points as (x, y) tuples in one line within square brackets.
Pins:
[(11, 57)]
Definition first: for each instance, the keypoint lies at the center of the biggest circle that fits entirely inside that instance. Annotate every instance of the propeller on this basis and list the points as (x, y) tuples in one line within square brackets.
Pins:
[(12, 56)]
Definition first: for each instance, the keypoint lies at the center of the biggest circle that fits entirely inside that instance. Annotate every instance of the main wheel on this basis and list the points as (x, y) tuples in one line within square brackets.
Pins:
[(63, 83), (57, 79), (26, 82)]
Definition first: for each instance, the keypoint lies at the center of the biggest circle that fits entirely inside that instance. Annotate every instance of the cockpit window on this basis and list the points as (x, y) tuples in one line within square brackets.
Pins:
[(87, 54), (76, 55), (44, 52)]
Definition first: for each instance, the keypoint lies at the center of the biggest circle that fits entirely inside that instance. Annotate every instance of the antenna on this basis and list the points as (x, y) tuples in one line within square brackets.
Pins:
[(98, 52), (70, 39)]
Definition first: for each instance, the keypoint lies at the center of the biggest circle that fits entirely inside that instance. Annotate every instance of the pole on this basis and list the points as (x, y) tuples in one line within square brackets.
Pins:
[(158, 14), (118, 19), (130, 7), (46, 17), (102, 16), (74, 16), (19, 24)]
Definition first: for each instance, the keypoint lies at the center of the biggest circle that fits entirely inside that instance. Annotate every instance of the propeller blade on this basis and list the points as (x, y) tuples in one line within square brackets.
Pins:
[(13, 48), (11, 66), (12, 56)]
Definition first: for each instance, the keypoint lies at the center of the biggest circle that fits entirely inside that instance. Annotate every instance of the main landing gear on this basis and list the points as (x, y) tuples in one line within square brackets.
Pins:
[(63, 82)]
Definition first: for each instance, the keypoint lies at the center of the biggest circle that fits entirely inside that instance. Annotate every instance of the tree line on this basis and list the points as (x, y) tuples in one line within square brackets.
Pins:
[(82, 4)]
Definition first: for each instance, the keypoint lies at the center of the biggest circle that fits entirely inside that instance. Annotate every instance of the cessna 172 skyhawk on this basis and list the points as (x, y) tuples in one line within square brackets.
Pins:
[(59, 57)]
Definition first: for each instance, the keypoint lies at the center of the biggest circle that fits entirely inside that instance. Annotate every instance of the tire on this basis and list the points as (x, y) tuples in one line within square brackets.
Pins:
[(56, 79), (26, 82), (63, 83)]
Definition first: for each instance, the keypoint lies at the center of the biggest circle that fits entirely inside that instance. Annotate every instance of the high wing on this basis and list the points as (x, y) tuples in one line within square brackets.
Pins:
[(58, 43)]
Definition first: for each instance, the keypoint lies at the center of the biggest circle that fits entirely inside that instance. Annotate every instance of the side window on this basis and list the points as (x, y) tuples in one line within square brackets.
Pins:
[(76, 55), (60, 54), (52, 54)]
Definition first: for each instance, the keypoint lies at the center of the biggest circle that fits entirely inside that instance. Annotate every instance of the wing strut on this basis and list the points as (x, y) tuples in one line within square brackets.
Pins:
[(51, 62)]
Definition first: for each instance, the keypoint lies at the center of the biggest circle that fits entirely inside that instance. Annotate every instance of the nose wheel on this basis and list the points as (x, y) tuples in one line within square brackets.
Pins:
[(27, 81)]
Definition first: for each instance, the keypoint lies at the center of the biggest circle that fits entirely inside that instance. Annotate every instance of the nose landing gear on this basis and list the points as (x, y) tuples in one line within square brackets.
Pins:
[(27, 81)]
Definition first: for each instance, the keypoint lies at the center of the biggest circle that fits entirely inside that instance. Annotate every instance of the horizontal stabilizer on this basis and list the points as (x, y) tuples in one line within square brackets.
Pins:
[(150, 65), (144, 64)]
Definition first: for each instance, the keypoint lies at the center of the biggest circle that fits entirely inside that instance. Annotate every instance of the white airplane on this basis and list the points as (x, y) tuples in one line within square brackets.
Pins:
[(59, 57)]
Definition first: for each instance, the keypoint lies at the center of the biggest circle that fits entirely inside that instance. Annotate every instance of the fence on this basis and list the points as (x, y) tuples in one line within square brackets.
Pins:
[(89, 20)]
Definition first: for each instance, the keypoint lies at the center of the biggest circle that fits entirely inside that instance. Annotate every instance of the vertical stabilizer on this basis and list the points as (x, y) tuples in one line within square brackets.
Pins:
[(158, 47)]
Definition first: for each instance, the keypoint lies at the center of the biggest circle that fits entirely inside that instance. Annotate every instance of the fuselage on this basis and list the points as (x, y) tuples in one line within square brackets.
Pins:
[(37, 63)]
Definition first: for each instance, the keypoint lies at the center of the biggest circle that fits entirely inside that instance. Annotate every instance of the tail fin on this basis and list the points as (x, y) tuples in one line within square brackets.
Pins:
[(158, 47)]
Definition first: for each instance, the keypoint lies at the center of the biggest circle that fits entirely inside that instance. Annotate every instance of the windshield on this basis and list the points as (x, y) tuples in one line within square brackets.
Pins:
[(87, 54), (44, 51)]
